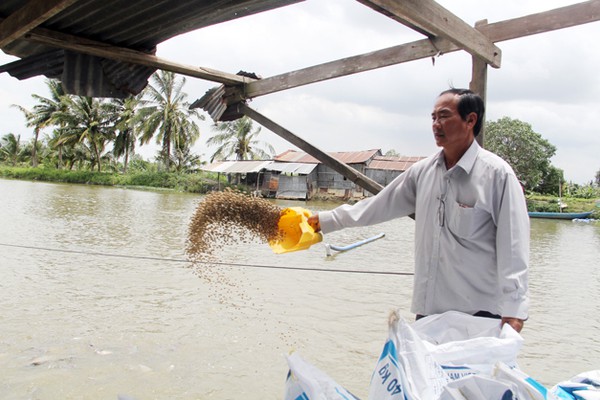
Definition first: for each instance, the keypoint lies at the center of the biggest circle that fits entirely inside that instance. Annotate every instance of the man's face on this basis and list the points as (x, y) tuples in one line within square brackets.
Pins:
[(449, 129)]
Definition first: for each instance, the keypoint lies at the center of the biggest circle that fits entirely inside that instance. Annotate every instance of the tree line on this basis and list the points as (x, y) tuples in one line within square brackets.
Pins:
[(529, 154), (102, 134)]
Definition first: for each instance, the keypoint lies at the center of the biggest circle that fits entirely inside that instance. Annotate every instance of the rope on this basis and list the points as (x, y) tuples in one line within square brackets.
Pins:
[(179, 260)]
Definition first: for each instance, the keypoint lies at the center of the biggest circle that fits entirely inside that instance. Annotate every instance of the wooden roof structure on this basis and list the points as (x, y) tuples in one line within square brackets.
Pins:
[(106, 48)]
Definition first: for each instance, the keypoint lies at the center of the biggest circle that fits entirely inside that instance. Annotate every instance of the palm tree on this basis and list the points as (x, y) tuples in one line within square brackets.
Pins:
[(43, 113), (127, 122), (56, 146), (236, 138), (87, 121), (166, 115), (10, 148), (31, 123)]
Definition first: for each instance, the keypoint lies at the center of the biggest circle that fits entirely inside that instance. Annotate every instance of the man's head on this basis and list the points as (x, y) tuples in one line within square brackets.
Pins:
[(468, 102), (455, 121)]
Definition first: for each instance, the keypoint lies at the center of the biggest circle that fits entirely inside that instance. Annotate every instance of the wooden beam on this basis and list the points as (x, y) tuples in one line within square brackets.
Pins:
[(559, 18), (348, 66), (332, 162), (436, 21), (86, 46), (478, 85), (543, 22), (34, 13)]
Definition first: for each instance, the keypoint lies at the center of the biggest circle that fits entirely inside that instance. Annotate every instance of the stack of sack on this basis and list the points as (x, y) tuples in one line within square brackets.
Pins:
[(450, 356)]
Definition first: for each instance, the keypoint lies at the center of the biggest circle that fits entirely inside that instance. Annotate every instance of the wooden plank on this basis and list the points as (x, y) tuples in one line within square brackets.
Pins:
[(478, 84), (543, 22), (347, 66), (436, 21), (559, 18), (86, 46), (332, 162), (34, 13)]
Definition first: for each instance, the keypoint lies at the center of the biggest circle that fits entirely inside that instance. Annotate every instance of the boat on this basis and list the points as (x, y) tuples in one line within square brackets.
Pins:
[(560, 215)]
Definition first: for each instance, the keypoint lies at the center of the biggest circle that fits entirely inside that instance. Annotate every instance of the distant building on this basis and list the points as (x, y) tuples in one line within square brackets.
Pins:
[(297, 175), (383, 169), (327, 182)]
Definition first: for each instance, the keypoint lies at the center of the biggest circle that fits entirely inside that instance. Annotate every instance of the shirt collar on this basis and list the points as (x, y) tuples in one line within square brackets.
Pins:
[(467, 161)]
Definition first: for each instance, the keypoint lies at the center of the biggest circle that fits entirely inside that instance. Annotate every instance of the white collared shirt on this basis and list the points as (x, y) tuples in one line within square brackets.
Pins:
[(471, 232)]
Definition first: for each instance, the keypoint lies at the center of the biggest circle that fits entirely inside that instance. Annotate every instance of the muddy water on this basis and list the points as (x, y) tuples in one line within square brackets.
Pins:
[(97, 300)]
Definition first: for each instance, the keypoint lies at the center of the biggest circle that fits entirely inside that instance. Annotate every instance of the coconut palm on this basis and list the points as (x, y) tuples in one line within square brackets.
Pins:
[(10, 148), (127, 123), (87, 121), (31, 122), (166, 115), (43, 113), (236, 139)]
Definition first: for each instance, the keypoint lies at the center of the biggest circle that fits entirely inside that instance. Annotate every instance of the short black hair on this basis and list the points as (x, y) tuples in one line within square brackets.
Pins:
[(468, 102)]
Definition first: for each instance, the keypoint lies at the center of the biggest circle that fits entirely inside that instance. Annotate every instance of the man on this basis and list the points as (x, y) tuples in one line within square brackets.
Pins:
[(471, 222)]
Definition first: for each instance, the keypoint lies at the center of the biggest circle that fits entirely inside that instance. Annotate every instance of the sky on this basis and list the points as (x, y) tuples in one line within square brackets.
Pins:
[(549, 80)]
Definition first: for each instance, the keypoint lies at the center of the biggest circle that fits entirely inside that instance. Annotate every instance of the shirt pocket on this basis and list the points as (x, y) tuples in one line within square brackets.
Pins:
[(464, 221)]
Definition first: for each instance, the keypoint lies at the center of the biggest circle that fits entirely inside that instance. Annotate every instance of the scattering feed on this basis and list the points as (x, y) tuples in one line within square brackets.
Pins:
[(230, 217), (225, 219)]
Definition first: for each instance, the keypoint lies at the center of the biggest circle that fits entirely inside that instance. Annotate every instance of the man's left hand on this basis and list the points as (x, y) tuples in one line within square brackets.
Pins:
[(516, 323)]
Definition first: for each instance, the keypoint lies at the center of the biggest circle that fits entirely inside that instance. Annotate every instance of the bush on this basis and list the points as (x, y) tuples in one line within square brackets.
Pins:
[(197, 183)]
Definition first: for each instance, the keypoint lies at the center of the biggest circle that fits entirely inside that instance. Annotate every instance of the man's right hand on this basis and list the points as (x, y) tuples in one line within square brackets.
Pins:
[(313, 221)]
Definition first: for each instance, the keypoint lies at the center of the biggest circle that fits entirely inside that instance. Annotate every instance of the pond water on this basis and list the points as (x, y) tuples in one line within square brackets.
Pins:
[(97, 300)]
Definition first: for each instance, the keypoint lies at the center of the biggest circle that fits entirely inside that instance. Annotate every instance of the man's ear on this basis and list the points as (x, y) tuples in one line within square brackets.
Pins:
[(472, 119)]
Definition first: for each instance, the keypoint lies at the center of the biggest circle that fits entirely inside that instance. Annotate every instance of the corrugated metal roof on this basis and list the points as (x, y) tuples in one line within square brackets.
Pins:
[(236, 167), (243, 167), (138, 25), (292, 168), (393, 163), (348, 157)]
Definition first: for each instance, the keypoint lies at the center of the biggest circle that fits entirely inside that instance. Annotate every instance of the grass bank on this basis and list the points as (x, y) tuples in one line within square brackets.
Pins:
[(204, 182), (197, 183), (537, 202)]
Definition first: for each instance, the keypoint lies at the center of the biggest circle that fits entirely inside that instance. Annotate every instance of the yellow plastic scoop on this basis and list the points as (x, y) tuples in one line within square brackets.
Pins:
[(295, 232)]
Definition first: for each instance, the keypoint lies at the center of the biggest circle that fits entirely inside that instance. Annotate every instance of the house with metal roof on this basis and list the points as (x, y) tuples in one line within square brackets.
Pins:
[(299, 176), (329, 182), (383, 169), (268, 178)]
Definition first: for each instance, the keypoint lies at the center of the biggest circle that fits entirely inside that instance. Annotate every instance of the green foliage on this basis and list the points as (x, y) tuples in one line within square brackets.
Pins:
[(552, 182), (11, 150), (167, 118), (90, 133), (539, 202), (237, 139), (582, 191), (525, 150), (196, 183)]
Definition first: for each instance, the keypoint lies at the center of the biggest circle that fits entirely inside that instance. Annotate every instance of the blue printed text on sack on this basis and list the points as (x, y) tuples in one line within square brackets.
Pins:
[(393, 386)]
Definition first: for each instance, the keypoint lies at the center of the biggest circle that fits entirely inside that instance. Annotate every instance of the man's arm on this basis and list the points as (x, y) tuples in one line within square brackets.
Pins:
[(512, 252)]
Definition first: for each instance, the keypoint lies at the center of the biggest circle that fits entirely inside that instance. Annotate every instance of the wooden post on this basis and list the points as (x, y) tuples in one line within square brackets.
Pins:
[(479, 84)]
